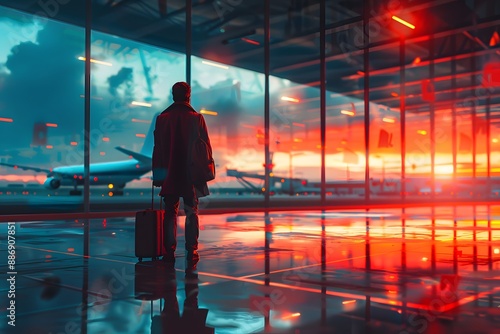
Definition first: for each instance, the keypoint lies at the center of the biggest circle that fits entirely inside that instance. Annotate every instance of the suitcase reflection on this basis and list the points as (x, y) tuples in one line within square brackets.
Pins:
[(156, 280)]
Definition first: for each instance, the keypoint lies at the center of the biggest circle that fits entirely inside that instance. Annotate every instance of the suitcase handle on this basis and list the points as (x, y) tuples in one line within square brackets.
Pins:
[(152, 197)]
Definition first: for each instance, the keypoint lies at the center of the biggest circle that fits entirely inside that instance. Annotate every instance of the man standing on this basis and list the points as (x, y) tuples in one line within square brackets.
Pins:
[(174, 131)]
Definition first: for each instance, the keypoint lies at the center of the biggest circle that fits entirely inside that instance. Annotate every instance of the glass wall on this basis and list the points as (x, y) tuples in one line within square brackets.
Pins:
[(41, 109), (131, 84), (345, 112), (231, 100), (295, 106)]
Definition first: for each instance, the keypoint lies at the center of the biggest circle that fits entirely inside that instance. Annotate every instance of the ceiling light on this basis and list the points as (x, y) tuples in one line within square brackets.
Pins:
[(347, 112), (250, 41), (403, 22), (141, 104), (136, 120), (100, 62), (215, 64), (290, 99)]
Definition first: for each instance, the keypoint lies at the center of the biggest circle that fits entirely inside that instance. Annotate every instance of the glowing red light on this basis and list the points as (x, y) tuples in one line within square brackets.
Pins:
[(250, 41)]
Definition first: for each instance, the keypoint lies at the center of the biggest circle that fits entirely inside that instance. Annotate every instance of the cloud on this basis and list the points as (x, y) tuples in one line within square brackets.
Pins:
[(123, 77)]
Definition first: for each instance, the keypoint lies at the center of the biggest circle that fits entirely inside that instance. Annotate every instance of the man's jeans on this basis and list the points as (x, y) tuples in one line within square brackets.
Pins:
[(192, 226)]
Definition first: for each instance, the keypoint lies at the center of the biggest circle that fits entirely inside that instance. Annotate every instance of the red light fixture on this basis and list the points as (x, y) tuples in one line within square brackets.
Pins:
[(495, 39), (250, 41)]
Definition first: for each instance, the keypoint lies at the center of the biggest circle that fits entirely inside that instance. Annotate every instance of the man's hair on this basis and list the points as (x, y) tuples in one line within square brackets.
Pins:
[(181, 92)]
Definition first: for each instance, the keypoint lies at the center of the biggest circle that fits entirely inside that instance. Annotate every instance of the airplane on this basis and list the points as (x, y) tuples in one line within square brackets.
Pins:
[(115, 173)]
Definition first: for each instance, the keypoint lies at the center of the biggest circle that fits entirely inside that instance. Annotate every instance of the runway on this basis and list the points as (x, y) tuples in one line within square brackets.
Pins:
[(23, 200)]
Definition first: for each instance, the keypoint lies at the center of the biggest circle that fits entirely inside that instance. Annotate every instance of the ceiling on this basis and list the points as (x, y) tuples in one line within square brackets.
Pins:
[(232, 32)]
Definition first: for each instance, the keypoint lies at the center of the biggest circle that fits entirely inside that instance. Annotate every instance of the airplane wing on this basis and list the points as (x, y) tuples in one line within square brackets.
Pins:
[(137, 156), (36, 169)]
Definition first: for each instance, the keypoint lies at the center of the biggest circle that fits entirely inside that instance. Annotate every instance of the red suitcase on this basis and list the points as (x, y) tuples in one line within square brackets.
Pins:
[(149, 234)]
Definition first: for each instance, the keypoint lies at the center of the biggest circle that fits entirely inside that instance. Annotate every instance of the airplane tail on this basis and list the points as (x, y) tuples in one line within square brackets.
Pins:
[(147, 148)]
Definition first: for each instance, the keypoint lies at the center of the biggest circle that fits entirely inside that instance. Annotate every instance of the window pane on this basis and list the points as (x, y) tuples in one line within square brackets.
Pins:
[(41, 111)]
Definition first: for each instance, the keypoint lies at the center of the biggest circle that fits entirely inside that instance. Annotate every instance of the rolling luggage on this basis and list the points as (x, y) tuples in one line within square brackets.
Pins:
[(149, 233)]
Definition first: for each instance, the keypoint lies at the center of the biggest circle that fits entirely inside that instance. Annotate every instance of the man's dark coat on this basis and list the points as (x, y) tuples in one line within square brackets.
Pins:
[(173, 135)]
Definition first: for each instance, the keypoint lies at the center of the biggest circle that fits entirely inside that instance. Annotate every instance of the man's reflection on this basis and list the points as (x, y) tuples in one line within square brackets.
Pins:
[(171, 321)]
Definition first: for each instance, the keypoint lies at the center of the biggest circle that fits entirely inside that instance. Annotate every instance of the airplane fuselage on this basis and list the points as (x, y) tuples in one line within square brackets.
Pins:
[(117, 173)]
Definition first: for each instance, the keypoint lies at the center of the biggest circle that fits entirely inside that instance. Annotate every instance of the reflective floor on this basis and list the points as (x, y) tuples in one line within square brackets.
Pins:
[(413, 270)]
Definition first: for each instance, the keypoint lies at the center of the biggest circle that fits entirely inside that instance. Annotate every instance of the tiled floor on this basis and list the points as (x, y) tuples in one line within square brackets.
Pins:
[(417, 270)]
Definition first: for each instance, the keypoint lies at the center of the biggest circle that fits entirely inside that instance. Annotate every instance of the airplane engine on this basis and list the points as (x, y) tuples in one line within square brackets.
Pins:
[(52, 183)]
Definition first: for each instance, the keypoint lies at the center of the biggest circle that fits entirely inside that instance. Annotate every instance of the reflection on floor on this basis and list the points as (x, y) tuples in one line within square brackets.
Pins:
[(417, 270)]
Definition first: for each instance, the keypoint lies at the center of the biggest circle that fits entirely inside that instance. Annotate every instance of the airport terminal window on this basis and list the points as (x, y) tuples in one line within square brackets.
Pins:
[(41, 109), (131, 84), (232, 102), (345, 137)]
